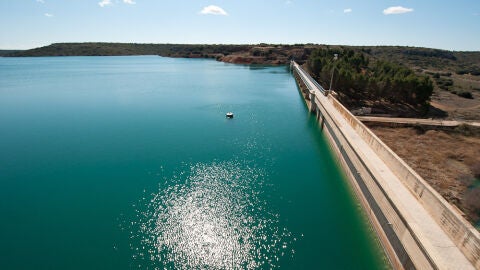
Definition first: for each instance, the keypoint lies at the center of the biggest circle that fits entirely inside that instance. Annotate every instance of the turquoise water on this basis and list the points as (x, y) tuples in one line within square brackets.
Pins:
[(129, 162)]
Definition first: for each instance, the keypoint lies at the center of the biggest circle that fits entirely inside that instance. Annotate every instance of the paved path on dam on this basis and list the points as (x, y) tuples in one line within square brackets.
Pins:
[(429, 236), (417, 121)]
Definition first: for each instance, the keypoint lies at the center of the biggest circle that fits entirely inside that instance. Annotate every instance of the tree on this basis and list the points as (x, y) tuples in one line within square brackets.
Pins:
[(357, 78)]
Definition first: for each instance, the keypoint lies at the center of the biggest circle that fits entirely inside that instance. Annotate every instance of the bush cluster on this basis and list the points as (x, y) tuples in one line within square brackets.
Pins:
[(473, 70), (431, 53), (465, 94), (358, 78), (444, 83)]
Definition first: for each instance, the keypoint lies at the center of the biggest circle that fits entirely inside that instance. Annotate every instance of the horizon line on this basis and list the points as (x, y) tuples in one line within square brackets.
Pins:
[(234, 44)]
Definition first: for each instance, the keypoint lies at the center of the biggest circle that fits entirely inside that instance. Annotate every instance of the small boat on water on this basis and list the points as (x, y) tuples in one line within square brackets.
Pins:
[(229, 115)]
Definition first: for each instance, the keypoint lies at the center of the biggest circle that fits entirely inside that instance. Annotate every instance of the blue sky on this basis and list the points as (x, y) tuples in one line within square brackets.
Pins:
[(451, 25)]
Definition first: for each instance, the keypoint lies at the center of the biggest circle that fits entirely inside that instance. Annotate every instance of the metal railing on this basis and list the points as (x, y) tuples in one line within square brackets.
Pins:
[(306, 78)]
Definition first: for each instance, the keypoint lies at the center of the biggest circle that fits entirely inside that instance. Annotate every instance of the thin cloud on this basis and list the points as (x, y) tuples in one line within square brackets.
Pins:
[(41, 1), (48, 15), (214, 10), (288, 2), (347, 10), (105, 3), (131, 2), (397, 10)]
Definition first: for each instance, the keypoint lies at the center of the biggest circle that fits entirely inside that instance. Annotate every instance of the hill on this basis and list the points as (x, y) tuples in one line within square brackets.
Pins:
[(425, 58), (8, 52), (248, 54)]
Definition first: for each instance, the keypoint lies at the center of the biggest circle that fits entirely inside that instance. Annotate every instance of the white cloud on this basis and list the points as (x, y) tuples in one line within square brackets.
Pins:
[(288, 2), (215, 10), (48, 15), (347, 10), (41, 1), (105, 3), (397, 10), (131, 2)]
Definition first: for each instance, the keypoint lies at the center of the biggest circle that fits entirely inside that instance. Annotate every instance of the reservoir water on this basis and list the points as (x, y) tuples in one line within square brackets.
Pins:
[(130, 163)]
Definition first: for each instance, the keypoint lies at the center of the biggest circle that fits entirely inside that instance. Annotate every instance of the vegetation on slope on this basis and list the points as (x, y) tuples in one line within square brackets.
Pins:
[(422, 58), (112, 49), (8, 52), (428, 59), (357, 79), (244, 54)]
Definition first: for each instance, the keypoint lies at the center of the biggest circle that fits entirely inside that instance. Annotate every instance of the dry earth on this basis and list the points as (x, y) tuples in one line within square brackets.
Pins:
[(456, 107)]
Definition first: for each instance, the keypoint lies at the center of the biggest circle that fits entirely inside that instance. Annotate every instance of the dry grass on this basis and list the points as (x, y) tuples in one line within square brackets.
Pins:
[(456, 107), (448, 161)]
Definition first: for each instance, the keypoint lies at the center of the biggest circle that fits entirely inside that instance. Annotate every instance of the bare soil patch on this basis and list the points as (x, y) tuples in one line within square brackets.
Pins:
[(456, 107)]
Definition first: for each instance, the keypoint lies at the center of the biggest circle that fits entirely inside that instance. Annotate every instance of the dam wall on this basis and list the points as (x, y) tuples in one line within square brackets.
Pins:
[(416, 226)]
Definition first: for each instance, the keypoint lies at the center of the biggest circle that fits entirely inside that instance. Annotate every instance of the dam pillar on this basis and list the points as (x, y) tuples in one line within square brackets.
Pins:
[(322, 122), (313, 106)]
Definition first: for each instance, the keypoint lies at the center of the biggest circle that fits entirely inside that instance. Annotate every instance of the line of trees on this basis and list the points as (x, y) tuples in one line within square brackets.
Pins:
[(107, 49), (358, 78)]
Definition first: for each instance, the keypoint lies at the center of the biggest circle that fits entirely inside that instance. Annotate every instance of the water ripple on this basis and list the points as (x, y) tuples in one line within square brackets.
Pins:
[(212, 217)]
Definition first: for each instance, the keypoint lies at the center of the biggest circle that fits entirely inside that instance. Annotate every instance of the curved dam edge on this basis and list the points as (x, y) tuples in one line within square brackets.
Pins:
[(416, 226)]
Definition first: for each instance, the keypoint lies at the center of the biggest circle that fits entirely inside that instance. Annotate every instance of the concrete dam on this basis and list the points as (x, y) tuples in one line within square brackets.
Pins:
[(417, 228)]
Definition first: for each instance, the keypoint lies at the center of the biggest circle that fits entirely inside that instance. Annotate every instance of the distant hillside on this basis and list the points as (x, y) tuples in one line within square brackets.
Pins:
[(425, 58), (8, 52), (247, 54), (111, 49), (414, 57)]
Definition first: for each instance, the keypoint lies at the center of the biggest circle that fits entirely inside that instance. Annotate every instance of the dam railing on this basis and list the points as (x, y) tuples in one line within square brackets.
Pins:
[(416, 226)]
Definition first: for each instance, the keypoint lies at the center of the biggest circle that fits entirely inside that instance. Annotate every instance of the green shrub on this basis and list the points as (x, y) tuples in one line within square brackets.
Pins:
[(448, 82), (476, 170), (462, 71), (475, 72), (465, 94), (464, 129)]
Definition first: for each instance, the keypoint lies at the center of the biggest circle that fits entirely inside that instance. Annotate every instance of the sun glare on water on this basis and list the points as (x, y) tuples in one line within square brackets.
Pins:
[(212, 217)]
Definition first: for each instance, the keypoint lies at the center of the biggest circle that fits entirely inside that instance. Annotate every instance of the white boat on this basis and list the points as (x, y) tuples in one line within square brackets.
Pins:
[(229, 115)]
